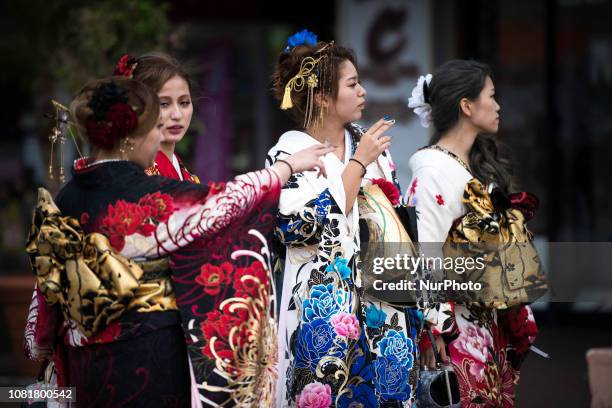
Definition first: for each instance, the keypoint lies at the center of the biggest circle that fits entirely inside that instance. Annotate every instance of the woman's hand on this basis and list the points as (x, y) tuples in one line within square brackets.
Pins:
[(304, 160), (427, 357), (373, 142)]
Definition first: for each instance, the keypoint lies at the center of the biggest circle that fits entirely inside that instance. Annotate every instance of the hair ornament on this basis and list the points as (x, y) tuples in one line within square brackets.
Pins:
[(112, 117), (303, 37), (419, 101), (126, 66)]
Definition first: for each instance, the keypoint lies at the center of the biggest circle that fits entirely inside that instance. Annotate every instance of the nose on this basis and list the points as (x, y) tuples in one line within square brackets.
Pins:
[(176, 112), (362, 91), (497, 107)]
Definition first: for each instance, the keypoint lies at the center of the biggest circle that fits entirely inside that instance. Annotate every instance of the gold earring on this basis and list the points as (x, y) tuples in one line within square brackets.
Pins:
[(123, 147)]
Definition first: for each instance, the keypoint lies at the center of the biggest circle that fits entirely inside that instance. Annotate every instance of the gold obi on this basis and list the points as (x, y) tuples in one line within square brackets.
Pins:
[(93, 283), (513, 273)]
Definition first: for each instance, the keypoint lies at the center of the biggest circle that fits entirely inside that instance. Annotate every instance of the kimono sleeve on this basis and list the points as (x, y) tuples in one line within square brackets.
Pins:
[(306, 200), (187, 211)]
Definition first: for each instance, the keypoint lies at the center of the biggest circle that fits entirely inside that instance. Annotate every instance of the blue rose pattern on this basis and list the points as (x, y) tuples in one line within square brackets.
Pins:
[(375, 317), (392, 379), (397, 346), (340, 265), (323, 302), (314, 340)]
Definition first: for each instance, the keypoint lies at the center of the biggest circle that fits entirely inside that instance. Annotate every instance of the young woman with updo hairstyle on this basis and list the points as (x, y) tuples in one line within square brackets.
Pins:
[(334, 340), (485, 346), (172, 83), (129, 265)]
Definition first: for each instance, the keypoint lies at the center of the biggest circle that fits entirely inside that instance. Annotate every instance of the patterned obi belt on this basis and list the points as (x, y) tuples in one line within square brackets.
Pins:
[(93, 283)]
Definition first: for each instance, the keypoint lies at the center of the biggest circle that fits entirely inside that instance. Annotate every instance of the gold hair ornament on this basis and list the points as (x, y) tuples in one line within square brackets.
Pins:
[(307, 76)]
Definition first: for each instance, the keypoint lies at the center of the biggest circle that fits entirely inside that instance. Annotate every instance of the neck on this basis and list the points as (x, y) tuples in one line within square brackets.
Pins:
[(329, 130), (168, 149), (459, 140), (107, 155)]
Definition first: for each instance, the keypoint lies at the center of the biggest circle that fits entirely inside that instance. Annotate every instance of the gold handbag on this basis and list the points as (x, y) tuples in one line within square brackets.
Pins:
[(495, 228), (384, 233)]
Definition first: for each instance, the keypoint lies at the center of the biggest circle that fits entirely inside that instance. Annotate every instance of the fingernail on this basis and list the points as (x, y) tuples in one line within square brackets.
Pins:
[(387, 117)]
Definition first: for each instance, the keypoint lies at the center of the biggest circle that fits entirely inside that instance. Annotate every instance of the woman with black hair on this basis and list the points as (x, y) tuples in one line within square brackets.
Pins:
[(485, 346)]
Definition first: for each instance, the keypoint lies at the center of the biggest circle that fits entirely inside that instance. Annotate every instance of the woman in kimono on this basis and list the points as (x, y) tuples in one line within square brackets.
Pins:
[(485, 346), (165, 76), (337, 346), (128, 266)]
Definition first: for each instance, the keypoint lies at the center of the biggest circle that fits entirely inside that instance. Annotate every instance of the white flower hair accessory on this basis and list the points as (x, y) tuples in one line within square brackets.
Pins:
[(417, 101)]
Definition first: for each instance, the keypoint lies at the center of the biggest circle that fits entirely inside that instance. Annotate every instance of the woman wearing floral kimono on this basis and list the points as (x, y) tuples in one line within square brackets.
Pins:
[(485, 346), (337, 346), (165, 76), (128, 266)]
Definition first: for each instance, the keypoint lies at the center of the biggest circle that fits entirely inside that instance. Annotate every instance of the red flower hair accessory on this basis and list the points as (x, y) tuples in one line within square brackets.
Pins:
[(112, 118), (126, 66), (389, 189)]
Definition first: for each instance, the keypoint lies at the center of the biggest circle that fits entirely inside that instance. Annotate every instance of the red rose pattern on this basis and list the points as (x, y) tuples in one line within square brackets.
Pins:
[(439, 199), (389, 189), (125, 218)]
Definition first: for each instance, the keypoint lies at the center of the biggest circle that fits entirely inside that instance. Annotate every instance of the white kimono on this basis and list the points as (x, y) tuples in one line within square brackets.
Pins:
[(333, 339), (486, 346)]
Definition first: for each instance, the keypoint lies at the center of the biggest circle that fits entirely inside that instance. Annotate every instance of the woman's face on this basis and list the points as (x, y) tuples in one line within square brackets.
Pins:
[(485, 109), (349, 103), (146, 147), (176, 109)]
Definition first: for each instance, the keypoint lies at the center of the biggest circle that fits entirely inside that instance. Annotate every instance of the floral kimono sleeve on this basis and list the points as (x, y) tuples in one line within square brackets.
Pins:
[(181, 213), (306, 202), (434, 220)]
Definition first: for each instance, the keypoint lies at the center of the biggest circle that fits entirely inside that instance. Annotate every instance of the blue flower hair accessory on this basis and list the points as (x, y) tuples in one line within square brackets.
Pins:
[(303, 37)]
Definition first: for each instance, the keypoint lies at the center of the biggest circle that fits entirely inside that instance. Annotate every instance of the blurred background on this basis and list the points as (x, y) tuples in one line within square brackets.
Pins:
[(552, 61)]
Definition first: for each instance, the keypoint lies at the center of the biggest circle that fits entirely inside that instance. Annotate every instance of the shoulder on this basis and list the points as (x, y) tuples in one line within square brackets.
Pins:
[(289, 143)]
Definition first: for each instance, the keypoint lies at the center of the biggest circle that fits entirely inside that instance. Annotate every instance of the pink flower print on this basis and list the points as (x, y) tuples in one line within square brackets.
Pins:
[(475, 342), (315, 395), (345, 325), (439, 199)]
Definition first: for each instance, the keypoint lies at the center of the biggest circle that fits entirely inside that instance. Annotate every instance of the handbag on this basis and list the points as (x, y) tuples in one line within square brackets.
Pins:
[(385, 230), (437, 387), (495, 229)]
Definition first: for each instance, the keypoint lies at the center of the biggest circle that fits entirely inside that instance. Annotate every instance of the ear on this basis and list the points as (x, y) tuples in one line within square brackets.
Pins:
[(466, 107), (321, 100)]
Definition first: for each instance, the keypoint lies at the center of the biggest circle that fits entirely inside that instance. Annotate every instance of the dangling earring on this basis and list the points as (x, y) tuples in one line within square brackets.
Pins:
[(123, 147)]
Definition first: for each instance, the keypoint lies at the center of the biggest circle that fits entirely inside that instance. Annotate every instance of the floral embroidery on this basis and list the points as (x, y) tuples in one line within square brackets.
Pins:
[(340, 267), (125, 218), (84, 218), (389, 189), (375, 317), (212, 277), (161, 205), (346, 325), (323, 302), (315, 395), (439, 199)]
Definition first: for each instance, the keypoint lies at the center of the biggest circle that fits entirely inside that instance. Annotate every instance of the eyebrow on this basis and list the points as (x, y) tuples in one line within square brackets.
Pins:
[(354, 77)]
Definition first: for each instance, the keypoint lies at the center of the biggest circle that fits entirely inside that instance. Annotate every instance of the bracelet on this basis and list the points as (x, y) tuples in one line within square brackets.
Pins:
[(361, 164), (287, 163)]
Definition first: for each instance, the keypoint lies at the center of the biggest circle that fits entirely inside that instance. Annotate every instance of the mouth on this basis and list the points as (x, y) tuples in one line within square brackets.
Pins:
[(176, 129)]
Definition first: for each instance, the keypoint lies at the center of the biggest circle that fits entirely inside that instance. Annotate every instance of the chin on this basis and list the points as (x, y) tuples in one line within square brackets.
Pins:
[(172, 138)]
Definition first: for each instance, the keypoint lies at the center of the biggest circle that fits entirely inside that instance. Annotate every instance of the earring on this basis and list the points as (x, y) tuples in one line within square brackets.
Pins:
[(123, 147)]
